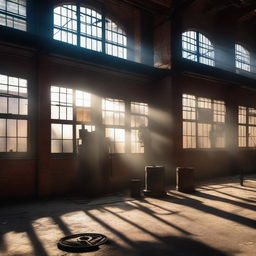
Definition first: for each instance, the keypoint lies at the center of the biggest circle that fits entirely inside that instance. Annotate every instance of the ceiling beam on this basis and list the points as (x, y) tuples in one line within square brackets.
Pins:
[(247, 16)]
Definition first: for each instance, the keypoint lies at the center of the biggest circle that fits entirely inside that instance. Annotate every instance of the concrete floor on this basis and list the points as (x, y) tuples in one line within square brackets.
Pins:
[(218, 220)]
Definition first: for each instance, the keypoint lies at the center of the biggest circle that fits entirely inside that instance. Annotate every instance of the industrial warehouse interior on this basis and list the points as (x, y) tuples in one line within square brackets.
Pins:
[(128, 127)]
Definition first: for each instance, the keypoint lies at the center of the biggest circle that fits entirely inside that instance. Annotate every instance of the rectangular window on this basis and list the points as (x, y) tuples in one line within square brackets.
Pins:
[(13, 114), (139, 120), (13, 14), (113, 112), (61, 103), (70, 111), (246, 127), (83, 106), (203, 122), (117, 137), (113, 115), (61, 138)]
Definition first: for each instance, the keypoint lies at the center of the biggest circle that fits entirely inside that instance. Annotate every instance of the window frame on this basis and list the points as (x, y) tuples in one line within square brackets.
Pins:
[(135, 127), (122, 111), (246, 124), (17, 117), (199, 45), (73, 121), (9, 15), (195, 121), (122, 48), (240, 55)]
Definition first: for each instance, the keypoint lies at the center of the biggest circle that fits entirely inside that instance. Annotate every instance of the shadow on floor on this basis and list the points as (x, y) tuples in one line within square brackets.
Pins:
[(172, 246)]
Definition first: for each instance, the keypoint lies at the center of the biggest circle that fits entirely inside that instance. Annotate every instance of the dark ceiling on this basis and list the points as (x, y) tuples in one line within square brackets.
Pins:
[(239, 10)]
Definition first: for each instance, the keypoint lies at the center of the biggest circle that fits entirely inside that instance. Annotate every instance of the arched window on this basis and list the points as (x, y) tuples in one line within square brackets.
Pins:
[(198, 48), (13, 14), (242, 58), (87, 28)]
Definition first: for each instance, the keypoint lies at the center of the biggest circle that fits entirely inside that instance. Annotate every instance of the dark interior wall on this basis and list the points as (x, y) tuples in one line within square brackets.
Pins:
[(42, 173), (18, 173), (222, 29), (57, 174), (214, 162), (128, 17)]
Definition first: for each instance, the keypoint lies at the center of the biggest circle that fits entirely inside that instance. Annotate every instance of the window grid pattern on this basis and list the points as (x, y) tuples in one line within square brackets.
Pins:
[(83, 107), (65, 24), (84, 27), (70, 110), (242, 57), (113, 116), (139, 119), (89, 128), (13, 14), (13, 95), (116, 41), (13, 114), (61, 103), (91, 29), (61, 138), (117, 139), (246, 127), (113, 112), (203, 122), (198, 48), (13, 135)]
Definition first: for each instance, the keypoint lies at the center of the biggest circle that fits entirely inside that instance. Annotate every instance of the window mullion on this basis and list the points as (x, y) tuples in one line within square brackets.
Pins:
[(247, 127), (103, 30), (197, 144), (74, 122), (197, 47), (78, 14), (128, 127)]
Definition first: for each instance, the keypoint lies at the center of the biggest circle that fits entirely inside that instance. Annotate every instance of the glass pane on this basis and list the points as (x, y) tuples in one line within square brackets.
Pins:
[(2, 127), (23, 106), (67, 131), (67, 146), (11, 128), (11, 145), (119, 148), (22, 145), (13, 106), (55, 112), (56, 146), (22, 128), (2, 144), (56, 131), (3, 105)]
